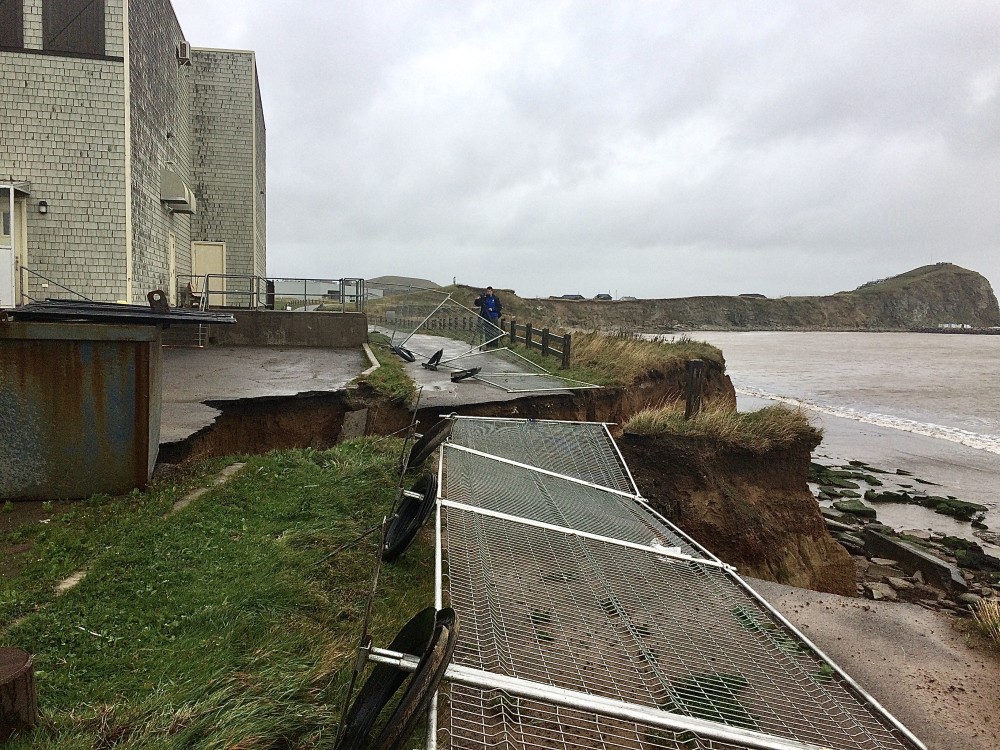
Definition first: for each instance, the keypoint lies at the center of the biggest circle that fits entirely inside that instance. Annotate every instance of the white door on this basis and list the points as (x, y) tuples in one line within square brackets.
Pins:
[(12, 249), (209, 259)]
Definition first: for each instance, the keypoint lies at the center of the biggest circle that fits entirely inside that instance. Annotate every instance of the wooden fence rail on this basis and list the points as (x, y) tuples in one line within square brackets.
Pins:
[(548, 343)]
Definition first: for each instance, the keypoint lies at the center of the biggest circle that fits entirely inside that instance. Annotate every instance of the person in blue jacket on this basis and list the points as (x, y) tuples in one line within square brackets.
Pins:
[(490, 308)]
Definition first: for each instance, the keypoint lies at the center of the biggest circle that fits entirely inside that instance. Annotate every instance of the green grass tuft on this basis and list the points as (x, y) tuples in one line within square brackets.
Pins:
[(987, 617), (390, 379), (756, 431)]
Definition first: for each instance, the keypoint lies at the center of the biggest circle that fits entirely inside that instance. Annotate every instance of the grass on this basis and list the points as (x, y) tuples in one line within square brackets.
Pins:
[(390, 379), (232, 623), (987, 617), (620, 359), (755, 431)]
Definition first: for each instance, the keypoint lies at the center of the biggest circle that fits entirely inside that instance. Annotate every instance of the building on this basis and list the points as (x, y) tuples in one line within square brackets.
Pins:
[(128, 160)]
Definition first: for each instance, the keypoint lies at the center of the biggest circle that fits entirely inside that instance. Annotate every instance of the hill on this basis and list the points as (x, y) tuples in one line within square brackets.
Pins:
[(922, 298)]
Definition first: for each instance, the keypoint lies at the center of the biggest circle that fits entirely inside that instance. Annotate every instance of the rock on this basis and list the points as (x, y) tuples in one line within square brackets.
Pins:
[(885, 561), (879, 591), (834, 515), (881, 528), (838, 526), (918, 577), (855, 507), (882, 572), (971, 599), (921, 534), (852, 539), (900, 584)]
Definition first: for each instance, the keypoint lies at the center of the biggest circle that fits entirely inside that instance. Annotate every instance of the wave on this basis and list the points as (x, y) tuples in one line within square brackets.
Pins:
[(989, 443)]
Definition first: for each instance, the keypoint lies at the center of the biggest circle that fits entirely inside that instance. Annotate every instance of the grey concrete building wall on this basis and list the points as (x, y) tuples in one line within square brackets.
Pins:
[(63, 120), (161, 138), (225, 114)]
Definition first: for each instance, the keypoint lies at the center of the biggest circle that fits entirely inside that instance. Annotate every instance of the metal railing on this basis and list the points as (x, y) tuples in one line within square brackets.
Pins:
[(248, 292)]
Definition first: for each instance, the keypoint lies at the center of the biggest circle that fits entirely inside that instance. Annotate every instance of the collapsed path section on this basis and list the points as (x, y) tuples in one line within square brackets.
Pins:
[(588, 620)]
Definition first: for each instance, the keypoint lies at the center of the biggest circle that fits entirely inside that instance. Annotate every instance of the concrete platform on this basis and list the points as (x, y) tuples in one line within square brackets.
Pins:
[(192, 376)]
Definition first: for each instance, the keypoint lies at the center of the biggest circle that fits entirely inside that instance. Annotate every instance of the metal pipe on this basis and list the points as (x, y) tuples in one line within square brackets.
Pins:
[(522, 420), (403, 342), (662, 551)]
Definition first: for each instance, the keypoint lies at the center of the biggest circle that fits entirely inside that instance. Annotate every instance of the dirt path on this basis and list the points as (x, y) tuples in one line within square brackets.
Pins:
[(926, 668)]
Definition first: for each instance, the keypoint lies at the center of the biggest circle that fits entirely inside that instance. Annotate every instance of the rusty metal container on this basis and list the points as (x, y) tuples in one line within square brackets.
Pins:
[(79, 408)]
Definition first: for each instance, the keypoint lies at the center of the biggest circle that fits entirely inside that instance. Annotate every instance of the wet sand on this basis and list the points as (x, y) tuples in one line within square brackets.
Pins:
[(928, 669)]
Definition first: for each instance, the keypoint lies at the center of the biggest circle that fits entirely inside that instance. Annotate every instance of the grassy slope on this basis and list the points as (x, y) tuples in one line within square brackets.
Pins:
[(619, 360), (228, 624)]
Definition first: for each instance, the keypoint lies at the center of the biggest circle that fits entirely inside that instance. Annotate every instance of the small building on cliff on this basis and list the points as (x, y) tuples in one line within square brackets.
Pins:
[(129, 161)]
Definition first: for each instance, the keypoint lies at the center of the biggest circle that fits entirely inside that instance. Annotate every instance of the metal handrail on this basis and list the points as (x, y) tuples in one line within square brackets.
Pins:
[(25, 272), (258, 292)]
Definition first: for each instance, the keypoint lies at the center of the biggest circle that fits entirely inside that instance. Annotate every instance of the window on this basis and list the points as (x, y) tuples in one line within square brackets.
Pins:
[(11, 24), (6, 224), (73, 26)]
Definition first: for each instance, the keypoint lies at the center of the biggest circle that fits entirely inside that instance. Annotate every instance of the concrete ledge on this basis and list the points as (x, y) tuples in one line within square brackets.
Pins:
[(282, 328), (936, 571)]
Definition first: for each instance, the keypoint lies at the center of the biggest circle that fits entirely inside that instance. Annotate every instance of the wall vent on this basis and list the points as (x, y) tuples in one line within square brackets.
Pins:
[(183, 53)]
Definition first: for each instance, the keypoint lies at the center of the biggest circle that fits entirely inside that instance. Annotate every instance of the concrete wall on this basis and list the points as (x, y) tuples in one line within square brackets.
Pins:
[(279, 328), (63, 124), (228, 158)]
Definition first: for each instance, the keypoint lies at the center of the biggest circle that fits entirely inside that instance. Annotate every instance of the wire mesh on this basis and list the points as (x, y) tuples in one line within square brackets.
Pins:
[(580, 450), (521, 491), (436, 315), (610, 620), (631, 625), (477, 719)]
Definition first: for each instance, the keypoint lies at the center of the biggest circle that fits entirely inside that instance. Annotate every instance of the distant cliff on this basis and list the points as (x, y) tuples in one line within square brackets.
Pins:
[(922, 298)]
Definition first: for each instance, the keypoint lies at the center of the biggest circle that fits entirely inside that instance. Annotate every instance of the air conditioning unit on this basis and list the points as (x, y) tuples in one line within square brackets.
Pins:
[(183, 53)]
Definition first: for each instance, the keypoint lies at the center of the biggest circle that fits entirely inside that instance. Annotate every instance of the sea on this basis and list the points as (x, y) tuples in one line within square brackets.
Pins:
[(925, 403)]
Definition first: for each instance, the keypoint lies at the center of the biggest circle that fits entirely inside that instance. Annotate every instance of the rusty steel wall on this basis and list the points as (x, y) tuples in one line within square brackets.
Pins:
[(79, 409)]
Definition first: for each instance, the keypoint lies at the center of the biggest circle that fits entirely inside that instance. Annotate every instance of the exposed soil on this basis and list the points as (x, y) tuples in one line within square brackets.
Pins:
[(754, 511)]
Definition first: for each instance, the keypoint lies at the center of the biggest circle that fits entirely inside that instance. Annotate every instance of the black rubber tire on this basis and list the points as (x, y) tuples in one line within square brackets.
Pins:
[(426, 679), (411, 514), (428, 484), (461, 375), (415, 637), (429, 441), (404, 353)]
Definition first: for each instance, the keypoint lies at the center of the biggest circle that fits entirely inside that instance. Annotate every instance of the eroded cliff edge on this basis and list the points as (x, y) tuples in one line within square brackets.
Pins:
[(752, 510)]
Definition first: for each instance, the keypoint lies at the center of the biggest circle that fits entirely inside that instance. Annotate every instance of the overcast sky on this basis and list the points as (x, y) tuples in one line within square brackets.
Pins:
[(653, 149)]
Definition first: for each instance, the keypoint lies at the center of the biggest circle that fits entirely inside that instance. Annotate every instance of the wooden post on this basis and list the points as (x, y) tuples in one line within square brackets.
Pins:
[(18, 695), (565, 351), (513, 330), (545, 342), (527, 335), (695, 387)]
